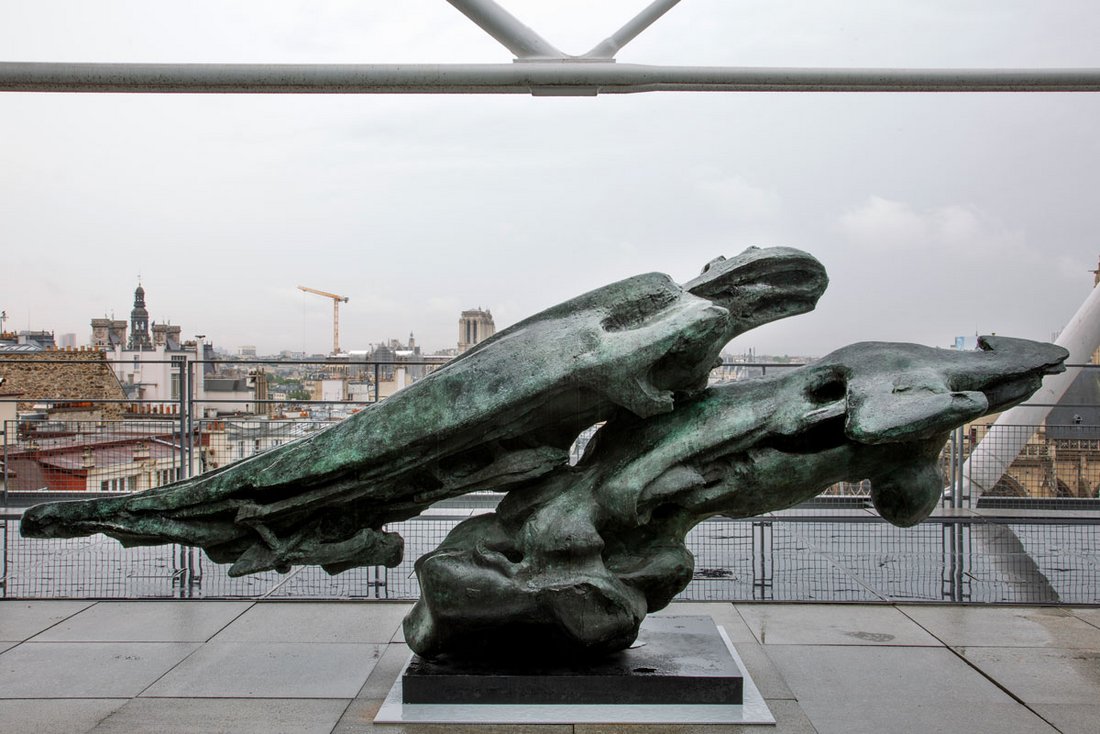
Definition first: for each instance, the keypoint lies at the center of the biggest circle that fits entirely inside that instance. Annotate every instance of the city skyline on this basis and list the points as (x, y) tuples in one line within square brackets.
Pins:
[(936, 215)]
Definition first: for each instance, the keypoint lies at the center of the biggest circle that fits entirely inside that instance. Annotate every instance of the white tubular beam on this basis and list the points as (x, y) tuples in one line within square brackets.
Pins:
[(998, 449), (579, 78), (506, 28), (610, 46)]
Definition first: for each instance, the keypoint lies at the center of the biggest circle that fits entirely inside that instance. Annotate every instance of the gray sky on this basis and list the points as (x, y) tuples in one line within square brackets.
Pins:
[(936, 215)]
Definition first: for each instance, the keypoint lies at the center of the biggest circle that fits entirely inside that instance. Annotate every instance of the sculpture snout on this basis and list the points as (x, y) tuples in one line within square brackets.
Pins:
[(921, 392), (1013, 369), (1033, 356)]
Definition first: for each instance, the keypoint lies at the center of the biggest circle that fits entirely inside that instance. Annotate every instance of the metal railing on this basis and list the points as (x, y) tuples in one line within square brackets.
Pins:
[(980, 558), (541, 70)]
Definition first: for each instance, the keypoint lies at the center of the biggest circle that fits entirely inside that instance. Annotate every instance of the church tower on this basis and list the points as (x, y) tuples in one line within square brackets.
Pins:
[(474, 326), (139, 323)]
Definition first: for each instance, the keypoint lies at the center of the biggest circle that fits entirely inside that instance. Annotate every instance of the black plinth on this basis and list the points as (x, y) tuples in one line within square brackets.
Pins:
[(683, 661)]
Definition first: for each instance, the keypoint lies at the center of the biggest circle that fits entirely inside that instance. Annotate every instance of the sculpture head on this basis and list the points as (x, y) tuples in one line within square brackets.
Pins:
[(904, 391), (922, 394), (761, 285)]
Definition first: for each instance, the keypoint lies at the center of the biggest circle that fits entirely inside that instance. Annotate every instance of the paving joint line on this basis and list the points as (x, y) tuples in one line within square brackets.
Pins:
[(973, 666)]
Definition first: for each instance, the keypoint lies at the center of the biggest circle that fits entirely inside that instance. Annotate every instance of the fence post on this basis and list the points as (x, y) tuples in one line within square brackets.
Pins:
[(951, 483), (182, 363), (959, 470), (4, 572), (191, 417), (4, 432), (762, 550)]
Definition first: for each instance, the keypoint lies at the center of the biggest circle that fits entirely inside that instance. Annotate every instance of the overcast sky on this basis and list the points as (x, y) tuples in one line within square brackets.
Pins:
[(936, 215)]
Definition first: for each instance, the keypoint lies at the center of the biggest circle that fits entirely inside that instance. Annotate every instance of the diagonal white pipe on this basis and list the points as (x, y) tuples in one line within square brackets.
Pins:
[(1003, 442), (507, 29), (610, 46)]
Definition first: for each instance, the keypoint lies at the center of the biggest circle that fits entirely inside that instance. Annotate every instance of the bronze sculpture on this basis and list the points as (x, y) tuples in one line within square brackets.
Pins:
[(575, 556)]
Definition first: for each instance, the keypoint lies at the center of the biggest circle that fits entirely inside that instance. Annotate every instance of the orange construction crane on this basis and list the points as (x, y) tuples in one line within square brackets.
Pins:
[(336, 300)]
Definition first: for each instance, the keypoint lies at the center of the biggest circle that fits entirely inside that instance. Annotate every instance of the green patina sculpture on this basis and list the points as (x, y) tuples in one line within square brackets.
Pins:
[(575, 556)]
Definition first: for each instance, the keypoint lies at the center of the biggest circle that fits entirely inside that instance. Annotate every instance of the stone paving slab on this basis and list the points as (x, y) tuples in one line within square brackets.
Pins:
[(788, 716), (368, 622), (853, 679), (1090, 615), (20, 620), (86, 669), (270, 670), (724, 614), (763, 671), (1043, 676), (959, 626), (875, 689), (1071, 718), (56, 716), (236, 715), (832, 624), (359, 716), (146, 621), (473, 729)]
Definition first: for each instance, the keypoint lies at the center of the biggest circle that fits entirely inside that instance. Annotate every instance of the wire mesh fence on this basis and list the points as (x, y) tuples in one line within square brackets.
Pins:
[(853, 559)]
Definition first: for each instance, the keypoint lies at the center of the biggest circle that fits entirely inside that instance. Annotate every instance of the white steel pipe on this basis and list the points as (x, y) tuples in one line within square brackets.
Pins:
[(507, 29), (566, 77), (610, 46), (1003, 442)]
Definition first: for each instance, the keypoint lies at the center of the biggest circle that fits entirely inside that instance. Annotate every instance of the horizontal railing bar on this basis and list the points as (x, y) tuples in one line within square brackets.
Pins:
[(328, 363), (1067, 516), (560, 77), (359, 363), (290, 401), (175, 401)]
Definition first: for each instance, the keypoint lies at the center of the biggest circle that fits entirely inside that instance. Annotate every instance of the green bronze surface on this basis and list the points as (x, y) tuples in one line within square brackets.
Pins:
[(575, 556)]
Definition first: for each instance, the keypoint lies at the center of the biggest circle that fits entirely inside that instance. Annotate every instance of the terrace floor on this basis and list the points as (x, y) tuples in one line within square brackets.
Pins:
[(303, 667)]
